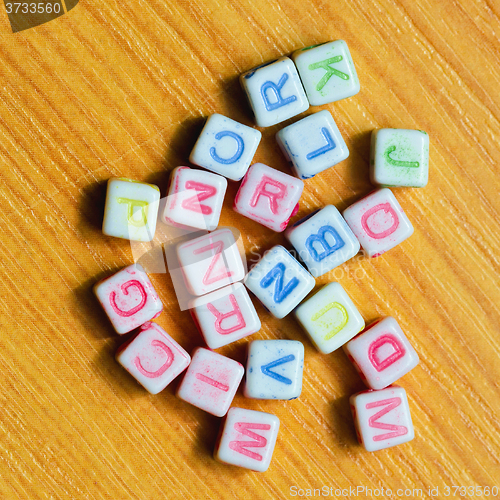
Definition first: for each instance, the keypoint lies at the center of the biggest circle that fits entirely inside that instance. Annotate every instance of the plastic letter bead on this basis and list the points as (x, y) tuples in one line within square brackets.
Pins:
[(279, 281), (382, 418), (274, 91), (210, 382), (153, 358), (399, 157), (225, 315), (312, 144), (327, 72), (194, 199), (131, 209), (382, 353), (330, 318), (274, 369), (378, 221), (210, 262), (323, 240), (268, 196), (225, 147), (128, 298), (247, 439)]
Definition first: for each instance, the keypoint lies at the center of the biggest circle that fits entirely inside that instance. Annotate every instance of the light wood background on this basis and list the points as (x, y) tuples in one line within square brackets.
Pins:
[(121, 88)]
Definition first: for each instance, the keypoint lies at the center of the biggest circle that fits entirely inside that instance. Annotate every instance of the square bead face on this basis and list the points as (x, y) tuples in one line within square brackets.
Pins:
[(327, 72), (378, 222), (153, 358), (225, 147), (323, 240), (131, 209), (279, 281), (399, 157), (225, 315), (382, 418), (247, 439), (128, 298), (274, 369), (382, 354), (210, 262), (274, 91), (194, 199), (330, 318), (312, 144), (210, 382), (268, 196)]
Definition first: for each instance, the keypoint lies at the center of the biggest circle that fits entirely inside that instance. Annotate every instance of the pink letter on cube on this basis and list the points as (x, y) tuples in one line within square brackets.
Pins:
[(211, 381), (153, 358), (129, 299), (268, 196)]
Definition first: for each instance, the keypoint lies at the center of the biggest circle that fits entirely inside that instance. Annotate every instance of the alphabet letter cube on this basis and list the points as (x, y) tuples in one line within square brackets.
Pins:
[(378, 222), (330, 318), (268, 196), (382, 353), (247, 439), (274, 91), (382, 418), (128, 298), (312, 144)]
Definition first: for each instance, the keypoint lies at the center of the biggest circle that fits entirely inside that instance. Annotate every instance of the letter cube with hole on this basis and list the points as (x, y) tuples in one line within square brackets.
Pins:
[(194, 199), (330, 318), (131, 209), (382, 354), (268, 196), (382, 418), (128, 298), (279, 281), (274, 369), (153, 358), (312, 144), (399, 157), (327, 72), (274, 91), (225, 315), (225, 147), (323, 240), (247, 439), (378, 222), (211, 381), (210, 262)]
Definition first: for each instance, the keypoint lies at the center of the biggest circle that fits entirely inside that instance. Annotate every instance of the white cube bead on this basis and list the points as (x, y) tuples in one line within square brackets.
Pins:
[(225, 315), (330, 318), (274, 369), (378, 222), (225, 147), (210, 262), (131, 209), (279, 281), (247, 439), (327, 72), (268, 196), (211, 381), (382, 353), (194, 199), (323, 240), (153, 358), (128, 298), (274, 91), (399, 157), (312, 144), (382, 418)]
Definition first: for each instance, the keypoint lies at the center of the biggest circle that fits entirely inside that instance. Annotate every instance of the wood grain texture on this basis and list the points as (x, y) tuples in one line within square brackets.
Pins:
[(122, 88)]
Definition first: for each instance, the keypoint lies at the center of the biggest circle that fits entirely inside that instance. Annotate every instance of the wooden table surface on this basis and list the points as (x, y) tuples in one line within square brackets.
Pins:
[(122, 89)]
